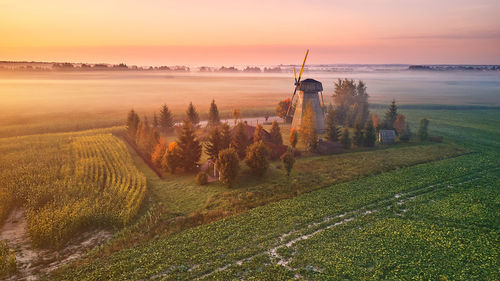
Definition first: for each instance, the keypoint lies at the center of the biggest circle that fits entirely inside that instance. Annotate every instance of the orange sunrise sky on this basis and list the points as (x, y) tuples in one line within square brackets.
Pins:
[(251, 32)]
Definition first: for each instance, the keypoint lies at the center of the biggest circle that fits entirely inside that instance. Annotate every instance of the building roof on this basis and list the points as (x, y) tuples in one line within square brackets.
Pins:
[(250, 130), (310, 85)]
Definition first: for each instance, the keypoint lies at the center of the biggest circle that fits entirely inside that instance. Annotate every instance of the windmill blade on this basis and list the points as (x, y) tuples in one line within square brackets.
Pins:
[(291, 101), (303, 63)]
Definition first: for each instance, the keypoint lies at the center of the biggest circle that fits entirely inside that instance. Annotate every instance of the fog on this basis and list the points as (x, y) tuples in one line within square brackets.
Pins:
[(28, 93)]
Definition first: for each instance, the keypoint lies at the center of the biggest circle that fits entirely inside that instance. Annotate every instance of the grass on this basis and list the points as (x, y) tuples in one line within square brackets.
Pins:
[(414, 230)]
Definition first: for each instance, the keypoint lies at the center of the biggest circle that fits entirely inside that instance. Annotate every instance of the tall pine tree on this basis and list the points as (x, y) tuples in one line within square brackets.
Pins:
[(166, 122), (214, 144), (213, 115), (390, 116), (225, 136), (370, 134), (240, 140), (132, 124), (192, 115), (189, 146), (276, 137), (258, 134), (332, 131)]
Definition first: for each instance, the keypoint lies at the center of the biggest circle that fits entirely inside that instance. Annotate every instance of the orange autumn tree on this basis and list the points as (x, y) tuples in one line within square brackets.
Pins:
[(400, 123), (158, 152)]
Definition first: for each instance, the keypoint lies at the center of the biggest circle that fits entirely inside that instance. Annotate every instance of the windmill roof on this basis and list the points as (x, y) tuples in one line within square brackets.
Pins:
[(311, 85)]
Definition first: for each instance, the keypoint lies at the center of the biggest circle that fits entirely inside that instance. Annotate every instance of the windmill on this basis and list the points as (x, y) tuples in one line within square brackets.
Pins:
[(309, 91)]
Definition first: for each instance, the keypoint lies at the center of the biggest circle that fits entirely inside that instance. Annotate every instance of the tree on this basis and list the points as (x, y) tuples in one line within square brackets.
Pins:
[(399, 124), (390, 116), (225, 136), (288, 160), (236, 115), (156, 123), (332, 131), (276, 137), (240, 140), (214, 144), (294, 137), (159, 152), (370, 134), (213, 115), (228, 165), (153, 140), (282, 108), (351, 100), (166, 121), (257, 158), (308, 128), (172, 158), (376, 121), (258, 134), (405, 135), (422, 133), (192, 115), (358, 137), (189, 146), (345, 139), (142, 137), (132, 124)]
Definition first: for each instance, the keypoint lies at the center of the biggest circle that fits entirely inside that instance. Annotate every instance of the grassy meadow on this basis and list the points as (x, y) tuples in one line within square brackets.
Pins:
[(432, 220)]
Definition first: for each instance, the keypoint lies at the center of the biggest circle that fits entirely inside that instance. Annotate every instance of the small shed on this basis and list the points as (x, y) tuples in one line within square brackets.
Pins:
[(386, 136)]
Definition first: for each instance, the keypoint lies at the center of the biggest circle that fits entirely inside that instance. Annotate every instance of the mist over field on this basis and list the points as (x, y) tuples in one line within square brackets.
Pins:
[(25, 94)]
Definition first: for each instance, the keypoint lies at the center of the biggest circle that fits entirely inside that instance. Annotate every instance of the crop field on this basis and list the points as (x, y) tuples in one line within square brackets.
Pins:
[(435, 220), (69, 182)]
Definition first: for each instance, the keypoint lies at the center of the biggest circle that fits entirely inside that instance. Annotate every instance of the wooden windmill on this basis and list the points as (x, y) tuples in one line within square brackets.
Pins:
[(309, 91)]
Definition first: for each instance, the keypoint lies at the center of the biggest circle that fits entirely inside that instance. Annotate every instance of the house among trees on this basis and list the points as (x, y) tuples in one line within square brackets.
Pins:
[(386, 136), (250, 131)]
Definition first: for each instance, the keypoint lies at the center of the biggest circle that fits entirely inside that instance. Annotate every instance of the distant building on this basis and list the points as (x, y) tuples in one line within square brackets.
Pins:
[(386, 136), (250, 130)]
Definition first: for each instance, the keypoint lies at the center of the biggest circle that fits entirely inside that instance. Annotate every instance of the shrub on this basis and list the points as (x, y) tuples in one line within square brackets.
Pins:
[(201, 178), (228, 165), (288, 160), (276, 150), (257, 158), (294, 137), (276, 137), (422, 130)]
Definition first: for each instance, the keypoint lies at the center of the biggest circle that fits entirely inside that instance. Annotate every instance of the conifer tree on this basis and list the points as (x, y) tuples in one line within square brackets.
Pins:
[(390, 116), (370, 134), (288, 160), (192, 115), (156, 123), (225, 136), (358, 137), (258, 134), (422, 133), (240, 140), (132, 124), (214, 144), (308, 128), (257, 158), (276, 137), (190, 147), (213, 115), (294, 137), (332, 130), (166, 122), (345, 139)]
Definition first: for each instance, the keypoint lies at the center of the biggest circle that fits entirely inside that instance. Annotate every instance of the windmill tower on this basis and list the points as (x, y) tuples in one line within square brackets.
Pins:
[(309, 92)]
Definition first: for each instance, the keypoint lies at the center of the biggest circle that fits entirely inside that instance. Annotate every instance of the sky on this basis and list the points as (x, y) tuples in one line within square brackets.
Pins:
[(230, 32)]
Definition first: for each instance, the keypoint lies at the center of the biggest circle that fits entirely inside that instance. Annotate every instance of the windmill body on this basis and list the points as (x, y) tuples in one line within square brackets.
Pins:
[(309, 90)]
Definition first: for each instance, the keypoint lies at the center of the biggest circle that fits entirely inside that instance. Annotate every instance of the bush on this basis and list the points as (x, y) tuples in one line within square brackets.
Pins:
[(422, 130), (201, 178), (288, 161), (257, 158), (228, 165), (276, 150)]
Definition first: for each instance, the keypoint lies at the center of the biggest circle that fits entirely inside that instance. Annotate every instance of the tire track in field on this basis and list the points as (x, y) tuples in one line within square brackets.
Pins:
[(331, 222)]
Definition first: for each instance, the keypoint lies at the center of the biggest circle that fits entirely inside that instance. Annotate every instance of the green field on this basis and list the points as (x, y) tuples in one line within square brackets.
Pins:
[(436, 220)]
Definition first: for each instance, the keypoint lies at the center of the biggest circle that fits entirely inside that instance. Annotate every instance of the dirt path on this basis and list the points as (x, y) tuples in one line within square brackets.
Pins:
[(33, 262)]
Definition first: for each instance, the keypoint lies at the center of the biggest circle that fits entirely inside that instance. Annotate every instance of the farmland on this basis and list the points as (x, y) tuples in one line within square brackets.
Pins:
[(69, 182), (433, 220)]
